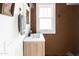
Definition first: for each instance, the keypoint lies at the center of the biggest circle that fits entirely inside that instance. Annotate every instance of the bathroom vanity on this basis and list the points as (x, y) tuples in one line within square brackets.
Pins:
[(34, 45)]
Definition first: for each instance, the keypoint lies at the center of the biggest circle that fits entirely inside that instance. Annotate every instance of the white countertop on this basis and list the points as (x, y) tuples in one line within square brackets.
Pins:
[(35, 38)]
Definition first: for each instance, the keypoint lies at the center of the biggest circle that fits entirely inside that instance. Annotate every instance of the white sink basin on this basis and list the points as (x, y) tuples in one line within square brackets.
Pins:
[(36, 37)]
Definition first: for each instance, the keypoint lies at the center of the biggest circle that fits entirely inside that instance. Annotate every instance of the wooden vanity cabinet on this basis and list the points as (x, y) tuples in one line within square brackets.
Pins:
[(34, 48)]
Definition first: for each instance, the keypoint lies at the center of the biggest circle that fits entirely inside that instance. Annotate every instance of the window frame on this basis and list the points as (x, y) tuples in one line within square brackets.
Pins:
[(44, 5)]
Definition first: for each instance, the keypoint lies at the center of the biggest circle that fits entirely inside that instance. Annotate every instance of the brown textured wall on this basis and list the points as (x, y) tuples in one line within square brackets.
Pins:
[(77, 27), (74, 27), (65, 37), (33, 18), (63, 41)]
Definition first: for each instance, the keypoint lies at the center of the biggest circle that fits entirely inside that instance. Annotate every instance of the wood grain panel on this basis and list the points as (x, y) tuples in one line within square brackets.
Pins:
[(34, 48), (33, 18), (76, 13)]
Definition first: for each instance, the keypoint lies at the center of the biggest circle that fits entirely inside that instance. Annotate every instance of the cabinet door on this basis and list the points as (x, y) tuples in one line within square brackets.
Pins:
[(34, 49)]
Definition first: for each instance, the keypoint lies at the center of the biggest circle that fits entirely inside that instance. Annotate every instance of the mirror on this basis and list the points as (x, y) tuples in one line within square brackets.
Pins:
[(27, 15)]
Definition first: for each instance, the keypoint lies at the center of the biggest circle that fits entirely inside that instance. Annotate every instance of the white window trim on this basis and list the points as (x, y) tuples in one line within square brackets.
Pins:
[(53, 31)]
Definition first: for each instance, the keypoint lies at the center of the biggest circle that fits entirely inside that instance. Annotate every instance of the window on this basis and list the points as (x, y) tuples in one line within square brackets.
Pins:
[(45, 18)]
